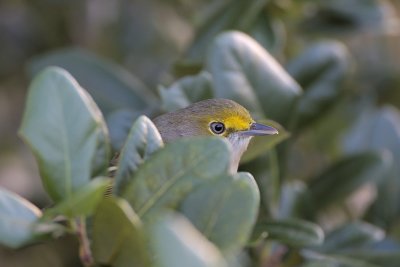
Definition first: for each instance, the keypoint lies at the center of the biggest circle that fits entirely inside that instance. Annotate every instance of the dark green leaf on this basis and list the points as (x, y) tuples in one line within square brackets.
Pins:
[(379, 130), (66, 132), (294, 232), (172, 172), (110, 86), (178, 243), (342, 178), (82, 202), (224, 210), (261, 144), (143, 140), (351, 236), (320, 70), (336, 261), (17, 219), (118, 238), (382, 258), (243, 71), (185, 91)]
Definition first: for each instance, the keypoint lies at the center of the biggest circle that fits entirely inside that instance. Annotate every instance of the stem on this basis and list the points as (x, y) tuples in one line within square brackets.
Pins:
[(85, 254)]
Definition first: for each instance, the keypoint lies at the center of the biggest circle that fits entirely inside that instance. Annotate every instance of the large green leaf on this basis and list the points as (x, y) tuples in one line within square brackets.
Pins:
[(172, 172), (351, 236), (224, 210), (66, 132), (343, 177), (320, 70), (82, 202), (17, 219), (143, 140), (294, 232), (261, 144), (185, 91), (110, 86), (243, 71), (118, 237), (178, 243)]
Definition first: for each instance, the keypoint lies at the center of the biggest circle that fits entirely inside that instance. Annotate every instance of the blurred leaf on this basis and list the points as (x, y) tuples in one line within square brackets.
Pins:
[(320, 70), (345, 15), (119, 124), (222, 15), (270, 32), (243, 71), (185, 91), (293, 232), (261, 144), (66, 132), (111, 86), (17, 218), (82, 202), (335, 261), (380, 130), (224, 210), (178, 243), (118, 237), (172, 172), (342, 178), (291, 193), (143, 140), (381, 258), (352, 235)]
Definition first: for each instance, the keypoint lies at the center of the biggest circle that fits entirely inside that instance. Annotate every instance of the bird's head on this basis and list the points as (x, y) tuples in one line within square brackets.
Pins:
[(213, 117)]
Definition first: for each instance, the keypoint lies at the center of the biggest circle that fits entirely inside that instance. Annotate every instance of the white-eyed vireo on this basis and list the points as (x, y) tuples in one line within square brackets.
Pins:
[(218, 117)]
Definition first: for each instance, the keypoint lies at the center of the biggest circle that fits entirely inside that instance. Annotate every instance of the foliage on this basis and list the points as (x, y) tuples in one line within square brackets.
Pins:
[(177, 204)]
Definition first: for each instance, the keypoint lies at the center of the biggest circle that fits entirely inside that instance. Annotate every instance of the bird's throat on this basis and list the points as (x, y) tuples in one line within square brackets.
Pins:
[(239, 145)]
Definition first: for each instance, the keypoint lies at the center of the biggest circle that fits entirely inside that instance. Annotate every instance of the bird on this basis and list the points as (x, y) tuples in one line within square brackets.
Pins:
[(213, 117)]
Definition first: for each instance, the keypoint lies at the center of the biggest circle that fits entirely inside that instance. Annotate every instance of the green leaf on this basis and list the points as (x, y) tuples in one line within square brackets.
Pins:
[(381, 258), (320, 70), (364, 15), (293, 232), (119, 124), (118, 237), (351, 236), (66, 132), (224, 210), (17, 219), (185, 91), (379, 130), (243, 71), (178, 243), (111, 86), (82, 202), (336, 261), (174, 171), (261, 144), (143, 140), (343, 177)]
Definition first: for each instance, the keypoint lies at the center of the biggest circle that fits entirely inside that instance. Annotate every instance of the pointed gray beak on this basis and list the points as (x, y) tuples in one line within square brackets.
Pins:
[(257, 129)]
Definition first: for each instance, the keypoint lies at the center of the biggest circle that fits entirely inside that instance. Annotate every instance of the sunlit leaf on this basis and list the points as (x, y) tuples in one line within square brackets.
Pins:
[(172, 172), (224, 210), (17, 218), (143, 140), (178, 243), (66, 132), (243, 71)]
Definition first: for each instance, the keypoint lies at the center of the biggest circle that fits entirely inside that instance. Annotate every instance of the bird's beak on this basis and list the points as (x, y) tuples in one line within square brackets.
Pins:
[(257, 129)]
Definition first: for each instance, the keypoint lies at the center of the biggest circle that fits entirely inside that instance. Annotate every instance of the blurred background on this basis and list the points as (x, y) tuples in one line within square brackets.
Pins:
[(156, 42)]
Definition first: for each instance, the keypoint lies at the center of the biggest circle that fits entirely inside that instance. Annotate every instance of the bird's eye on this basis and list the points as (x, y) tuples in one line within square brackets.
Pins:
[(217, 127)]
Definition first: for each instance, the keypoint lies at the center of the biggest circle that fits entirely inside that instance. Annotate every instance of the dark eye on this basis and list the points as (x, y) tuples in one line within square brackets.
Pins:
[(217, 127)]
